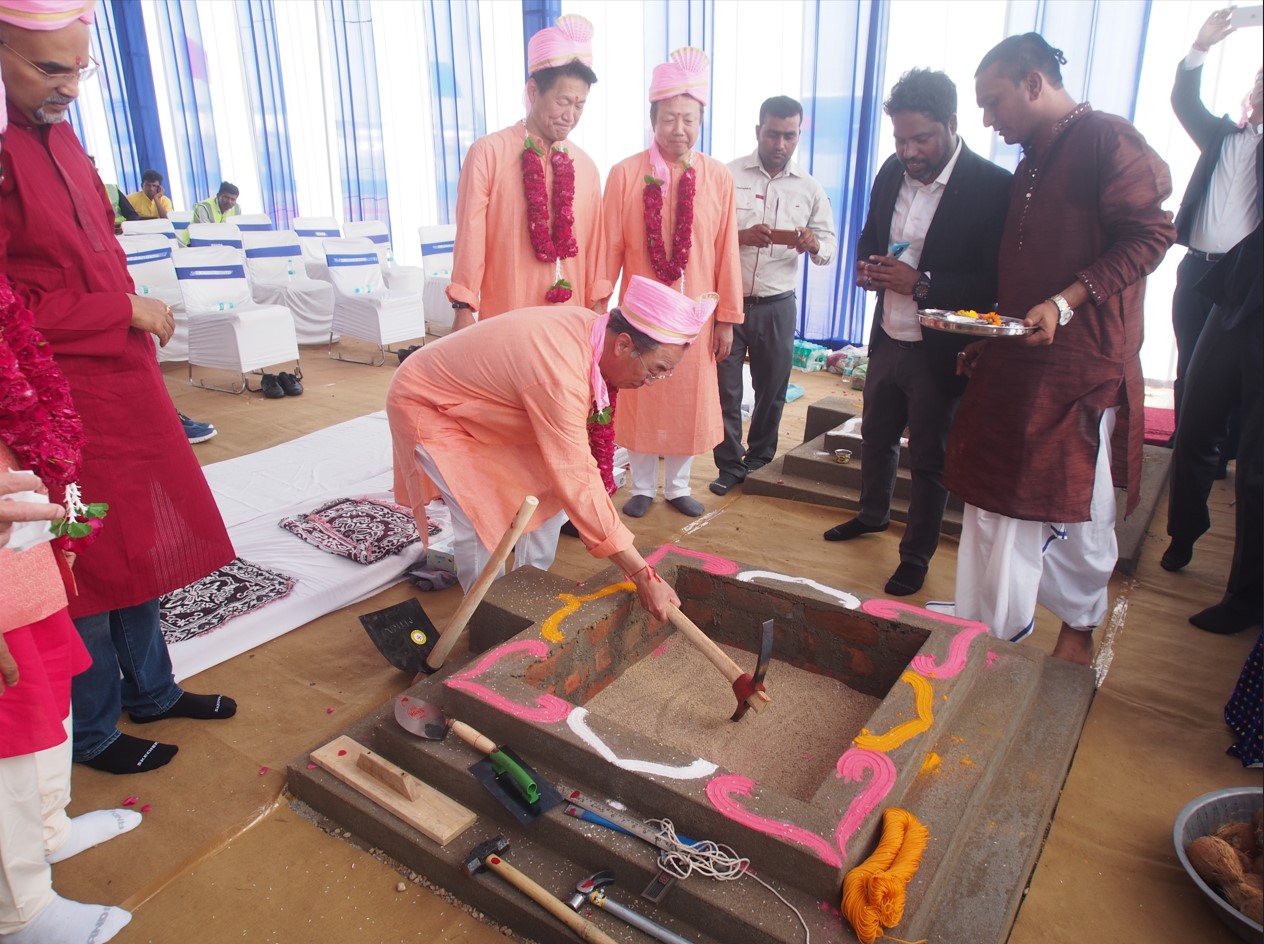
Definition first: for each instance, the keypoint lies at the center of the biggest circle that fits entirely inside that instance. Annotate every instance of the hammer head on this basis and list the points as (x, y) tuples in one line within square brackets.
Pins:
[(498, 845), (585, 888)]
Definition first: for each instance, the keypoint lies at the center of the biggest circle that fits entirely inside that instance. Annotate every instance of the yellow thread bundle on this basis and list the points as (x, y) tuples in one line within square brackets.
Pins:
[(873, 892)]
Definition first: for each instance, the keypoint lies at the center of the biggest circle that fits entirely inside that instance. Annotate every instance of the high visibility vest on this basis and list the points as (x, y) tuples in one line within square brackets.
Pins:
[(112, 191), (210, 206)]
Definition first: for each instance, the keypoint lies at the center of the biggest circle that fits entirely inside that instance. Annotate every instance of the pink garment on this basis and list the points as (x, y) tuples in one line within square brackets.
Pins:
[(502, 407), (31, 587), (570, 38), (494, 268), (680, 416), (663, 313), (687, 73), (46, 14)]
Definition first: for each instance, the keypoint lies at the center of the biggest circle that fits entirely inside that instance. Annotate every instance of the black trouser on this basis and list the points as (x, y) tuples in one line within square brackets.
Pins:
[(901, 391), (768, 336), (1190, 309), (1226, 372)]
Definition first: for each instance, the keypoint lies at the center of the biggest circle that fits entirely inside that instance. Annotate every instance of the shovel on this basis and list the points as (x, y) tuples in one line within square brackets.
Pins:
[(519, 788)]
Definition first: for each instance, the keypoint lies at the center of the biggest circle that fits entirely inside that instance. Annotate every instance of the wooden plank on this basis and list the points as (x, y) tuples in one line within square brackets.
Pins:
[(431, 813)]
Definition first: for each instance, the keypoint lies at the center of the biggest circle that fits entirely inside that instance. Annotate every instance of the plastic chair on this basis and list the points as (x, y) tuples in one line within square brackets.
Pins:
[(149, 263), (149, 227), (214, 234), (252, 222), (274, 265), (363, 307), (408, 280), (312, 232), (436, 260), (180, 220), (227, 330)]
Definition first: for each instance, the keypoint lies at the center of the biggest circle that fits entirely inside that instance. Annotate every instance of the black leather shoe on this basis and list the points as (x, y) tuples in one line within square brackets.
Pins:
[(271, 387), (853, 529), (290, 385), (907, 579), (1178, 554)]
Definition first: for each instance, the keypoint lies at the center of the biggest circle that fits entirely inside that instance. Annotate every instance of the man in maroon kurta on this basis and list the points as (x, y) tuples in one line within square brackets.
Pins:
[(163, 530), (1031, 450)]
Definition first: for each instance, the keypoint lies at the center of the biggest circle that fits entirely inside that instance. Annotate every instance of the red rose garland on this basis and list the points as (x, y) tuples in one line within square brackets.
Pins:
[(669, 270), (601, 442), (38, 419), (558, 243)]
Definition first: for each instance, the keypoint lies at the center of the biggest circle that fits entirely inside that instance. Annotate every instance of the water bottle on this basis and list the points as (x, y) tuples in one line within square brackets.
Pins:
[(289, 270)]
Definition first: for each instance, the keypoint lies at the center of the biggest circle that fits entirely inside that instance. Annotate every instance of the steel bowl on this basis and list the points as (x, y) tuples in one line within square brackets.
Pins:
[(1200, 817)]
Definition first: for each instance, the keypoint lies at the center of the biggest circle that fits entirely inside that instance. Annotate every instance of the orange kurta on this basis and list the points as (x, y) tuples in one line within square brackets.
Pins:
[(682, 416), (494, 268), (502, 407)]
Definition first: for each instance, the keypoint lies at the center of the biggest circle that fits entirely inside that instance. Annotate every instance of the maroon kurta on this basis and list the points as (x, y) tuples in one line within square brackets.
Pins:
[(57, 246), (1025, 440)]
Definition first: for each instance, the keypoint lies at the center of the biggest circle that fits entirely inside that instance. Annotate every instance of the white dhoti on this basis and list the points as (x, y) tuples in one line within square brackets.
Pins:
[(644, 469), (1007, 566)]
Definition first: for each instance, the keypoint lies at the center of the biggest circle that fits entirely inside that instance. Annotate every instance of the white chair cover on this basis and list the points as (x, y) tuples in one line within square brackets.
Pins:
[(180, 220), (274, 265), (149, 227), (312, 232), (408, 280), (227, 330), (363, 307), (252, 222), (214, 234), (437, 243), (154, 276)]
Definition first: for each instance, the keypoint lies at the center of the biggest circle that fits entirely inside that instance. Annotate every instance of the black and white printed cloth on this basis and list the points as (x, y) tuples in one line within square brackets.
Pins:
[(359, 529), (237, 588)]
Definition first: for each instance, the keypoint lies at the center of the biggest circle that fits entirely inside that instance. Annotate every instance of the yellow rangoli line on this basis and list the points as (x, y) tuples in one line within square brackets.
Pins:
[(550, 630), (923, 699)]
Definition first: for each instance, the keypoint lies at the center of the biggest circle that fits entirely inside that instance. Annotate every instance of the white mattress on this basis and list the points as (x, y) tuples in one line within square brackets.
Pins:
[(254, 492)]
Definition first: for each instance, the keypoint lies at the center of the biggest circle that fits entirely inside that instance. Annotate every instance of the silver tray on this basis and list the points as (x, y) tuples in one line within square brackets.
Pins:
[(950, 321)]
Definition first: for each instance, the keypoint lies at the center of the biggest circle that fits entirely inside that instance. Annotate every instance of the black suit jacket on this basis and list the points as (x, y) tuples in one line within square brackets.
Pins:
[(960, 250), (1208, 133)]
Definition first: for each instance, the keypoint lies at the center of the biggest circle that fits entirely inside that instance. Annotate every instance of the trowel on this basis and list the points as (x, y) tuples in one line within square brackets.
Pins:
[(519, 788)]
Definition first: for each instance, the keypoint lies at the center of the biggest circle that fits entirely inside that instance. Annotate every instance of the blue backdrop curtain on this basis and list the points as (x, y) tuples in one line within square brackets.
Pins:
[(256, 22), (536, 15), (844, 45), (361, 153), (671, 24), (192, 117), (1104, 43), (456, 90)]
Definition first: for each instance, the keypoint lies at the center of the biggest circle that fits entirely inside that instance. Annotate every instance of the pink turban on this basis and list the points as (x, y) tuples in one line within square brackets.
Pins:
[(688, 73), (570, 38), (664, 314), (46, 14)]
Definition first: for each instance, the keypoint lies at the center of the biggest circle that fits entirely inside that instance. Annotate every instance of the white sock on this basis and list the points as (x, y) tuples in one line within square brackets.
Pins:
[(92, 829), (71, 922)]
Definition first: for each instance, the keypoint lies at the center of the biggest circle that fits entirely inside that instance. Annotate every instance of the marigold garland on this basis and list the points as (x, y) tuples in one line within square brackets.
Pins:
[(558, 242), (669, 270)]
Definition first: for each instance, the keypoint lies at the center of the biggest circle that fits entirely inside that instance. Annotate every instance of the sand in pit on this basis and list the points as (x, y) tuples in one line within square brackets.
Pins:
[(677, 697)]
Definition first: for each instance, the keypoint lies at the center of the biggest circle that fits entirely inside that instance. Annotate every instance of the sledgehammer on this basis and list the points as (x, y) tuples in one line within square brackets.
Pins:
[(593, 890), (488, 855)]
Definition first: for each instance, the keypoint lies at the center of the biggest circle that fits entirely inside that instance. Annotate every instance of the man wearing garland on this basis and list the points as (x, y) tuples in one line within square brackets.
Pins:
[(671, 215), (528, 208), (163, 531)]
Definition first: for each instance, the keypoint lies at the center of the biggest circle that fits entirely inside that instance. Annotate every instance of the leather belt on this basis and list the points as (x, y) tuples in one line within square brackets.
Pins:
[(750, 300), (1206, 256), (907, 345)]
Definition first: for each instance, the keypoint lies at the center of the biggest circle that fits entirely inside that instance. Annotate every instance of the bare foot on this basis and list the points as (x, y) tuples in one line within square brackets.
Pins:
[(1074, 645)]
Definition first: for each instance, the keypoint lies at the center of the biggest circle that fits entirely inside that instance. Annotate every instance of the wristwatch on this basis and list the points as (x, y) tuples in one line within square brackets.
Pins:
[(921, 288), (1065, 311)]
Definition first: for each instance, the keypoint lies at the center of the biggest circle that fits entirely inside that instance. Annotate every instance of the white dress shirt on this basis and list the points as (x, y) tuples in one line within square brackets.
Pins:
[(1229, 211), (915, 207), (791, 200)]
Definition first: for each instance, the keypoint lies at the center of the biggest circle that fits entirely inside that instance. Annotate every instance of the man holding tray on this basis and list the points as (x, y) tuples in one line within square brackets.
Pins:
[(945, 206), (1044, 415)]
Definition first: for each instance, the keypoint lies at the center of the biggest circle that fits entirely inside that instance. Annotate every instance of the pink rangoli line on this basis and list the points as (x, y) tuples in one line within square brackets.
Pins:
[(720, 792), (958, 649), (711, 563), (547, 709), (851, 767)]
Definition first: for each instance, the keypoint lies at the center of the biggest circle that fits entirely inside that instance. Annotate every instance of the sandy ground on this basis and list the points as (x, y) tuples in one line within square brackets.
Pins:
[(223, 857)]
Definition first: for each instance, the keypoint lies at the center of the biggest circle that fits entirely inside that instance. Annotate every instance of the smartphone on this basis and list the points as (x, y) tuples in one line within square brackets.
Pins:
[(1246, 16), (897, 249)]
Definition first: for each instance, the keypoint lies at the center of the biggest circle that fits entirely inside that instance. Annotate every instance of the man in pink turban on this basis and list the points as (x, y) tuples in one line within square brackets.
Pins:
[(489, 415), (164, 531), (528, 208), (680, 229)]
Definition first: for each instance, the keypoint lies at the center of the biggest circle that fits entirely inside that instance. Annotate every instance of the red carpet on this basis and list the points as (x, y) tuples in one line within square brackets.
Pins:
[(1160, 423)]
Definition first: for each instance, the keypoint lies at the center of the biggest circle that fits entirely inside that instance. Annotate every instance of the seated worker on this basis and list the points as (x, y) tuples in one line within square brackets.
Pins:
[(150, 202), (500, 410), (218, 208)]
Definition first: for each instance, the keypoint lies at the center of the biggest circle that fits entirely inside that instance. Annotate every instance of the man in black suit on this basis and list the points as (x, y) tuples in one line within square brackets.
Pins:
[(946, 207), (1217, 211)]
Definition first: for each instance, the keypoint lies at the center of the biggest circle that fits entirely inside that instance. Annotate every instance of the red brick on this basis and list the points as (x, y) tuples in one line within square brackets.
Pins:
[(700, 613), (861, 662), (693, 583), (602, 660), (599, 630), (749, 600), (843, 623), (596, 687), (573, 681)]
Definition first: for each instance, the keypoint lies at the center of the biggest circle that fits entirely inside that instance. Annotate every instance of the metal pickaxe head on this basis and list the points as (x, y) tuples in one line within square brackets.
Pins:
[(476, 861), (587, 887), (748, 685)]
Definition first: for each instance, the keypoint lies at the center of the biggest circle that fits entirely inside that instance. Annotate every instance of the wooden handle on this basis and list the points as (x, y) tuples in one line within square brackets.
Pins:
[(471, 736), (554, 906), (708, 647), (456, 625)]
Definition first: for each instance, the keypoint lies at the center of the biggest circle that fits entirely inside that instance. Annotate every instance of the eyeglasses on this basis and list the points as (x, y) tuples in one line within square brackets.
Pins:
[(650, 377), (55, 79)]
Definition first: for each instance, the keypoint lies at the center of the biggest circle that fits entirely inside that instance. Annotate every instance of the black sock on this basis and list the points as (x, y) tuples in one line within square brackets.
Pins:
[(188, 705), (132, 755)]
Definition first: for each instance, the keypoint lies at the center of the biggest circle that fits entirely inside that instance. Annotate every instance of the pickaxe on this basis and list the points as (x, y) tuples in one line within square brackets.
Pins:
[(593, 890), (489, 855), (749, 689)]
